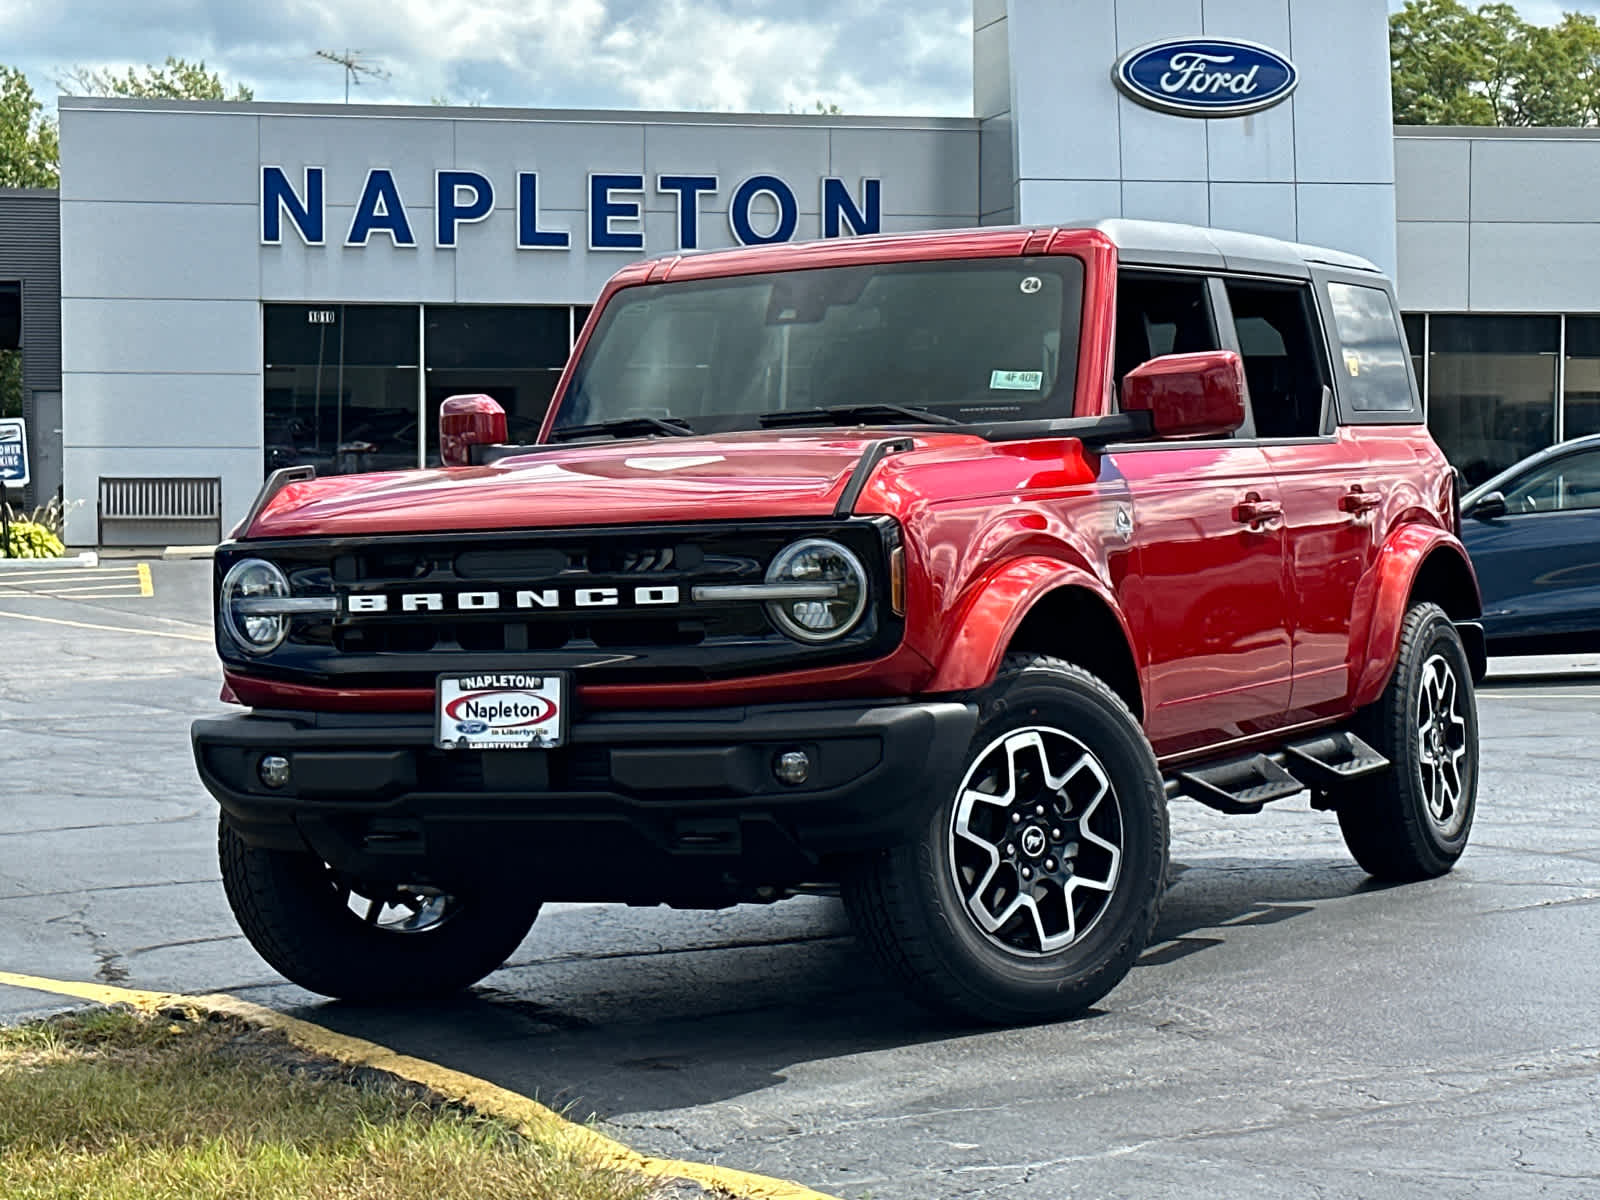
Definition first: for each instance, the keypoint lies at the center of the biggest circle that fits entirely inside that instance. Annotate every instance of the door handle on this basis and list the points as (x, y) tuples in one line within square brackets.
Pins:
[(1253, 510), (1358, 502)]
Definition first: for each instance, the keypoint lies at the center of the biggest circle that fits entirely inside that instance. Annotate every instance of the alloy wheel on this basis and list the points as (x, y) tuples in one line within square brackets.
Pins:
[(1036, 841), (1441, 744)]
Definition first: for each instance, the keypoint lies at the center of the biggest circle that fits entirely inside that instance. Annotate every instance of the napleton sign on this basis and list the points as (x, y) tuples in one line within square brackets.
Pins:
[(760, 209)]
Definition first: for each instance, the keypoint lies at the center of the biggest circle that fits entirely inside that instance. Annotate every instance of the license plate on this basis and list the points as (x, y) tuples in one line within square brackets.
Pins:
[(501, 711)]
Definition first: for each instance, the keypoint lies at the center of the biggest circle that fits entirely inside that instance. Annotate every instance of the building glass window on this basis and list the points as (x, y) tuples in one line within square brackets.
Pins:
[(512, 354), (1582, 398), (340, 386), (1492, 389), (1416, 327)]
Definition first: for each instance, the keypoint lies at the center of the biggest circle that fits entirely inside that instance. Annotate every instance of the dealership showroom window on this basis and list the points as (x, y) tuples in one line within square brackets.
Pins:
[(344, 383), (1500, 387)]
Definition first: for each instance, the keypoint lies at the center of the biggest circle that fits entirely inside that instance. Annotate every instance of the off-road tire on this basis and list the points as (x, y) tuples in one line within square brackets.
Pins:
[(1386, 821), (291, 910), (906, 903)]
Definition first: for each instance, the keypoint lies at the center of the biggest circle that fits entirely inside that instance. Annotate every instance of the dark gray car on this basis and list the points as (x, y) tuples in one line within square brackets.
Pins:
[(1534, 535)]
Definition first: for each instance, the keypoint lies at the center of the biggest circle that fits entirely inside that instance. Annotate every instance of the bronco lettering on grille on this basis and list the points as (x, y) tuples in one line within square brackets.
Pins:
[(544, 599)]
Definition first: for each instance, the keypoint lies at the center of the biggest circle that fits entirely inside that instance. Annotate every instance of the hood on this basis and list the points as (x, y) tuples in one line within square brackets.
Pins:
[(747, 475)]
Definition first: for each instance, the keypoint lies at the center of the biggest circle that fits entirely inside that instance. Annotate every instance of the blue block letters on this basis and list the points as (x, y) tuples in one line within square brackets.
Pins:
[(380, 210)]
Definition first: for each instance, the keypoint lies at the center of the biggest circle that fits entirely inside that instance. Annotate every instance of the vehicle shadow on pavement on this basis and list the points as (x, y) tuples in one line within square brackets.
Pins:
[(595, 1039), (678, 1020), (1204, 901)]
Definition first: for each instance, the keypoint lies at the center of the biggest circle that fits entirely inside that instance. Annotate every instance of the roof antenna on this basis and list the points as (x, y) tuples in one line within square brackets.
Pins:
[(356, 63)]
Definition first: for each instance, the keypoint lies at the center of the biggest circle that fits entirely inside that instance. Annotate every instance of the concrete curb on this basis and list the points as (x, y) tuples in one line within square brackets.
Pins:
[(1543, 666), (85, 558), (478, 1094)]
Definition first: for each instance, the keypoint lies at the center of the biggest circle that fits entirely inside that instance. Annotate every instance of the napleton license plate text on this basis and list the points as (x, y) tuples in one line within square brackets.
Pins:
[(501, 711)]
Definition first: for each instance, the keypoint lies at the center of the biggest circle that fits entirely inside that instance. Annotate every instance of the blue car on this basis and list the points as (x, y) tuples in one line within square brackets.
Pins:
[(1533, 532)]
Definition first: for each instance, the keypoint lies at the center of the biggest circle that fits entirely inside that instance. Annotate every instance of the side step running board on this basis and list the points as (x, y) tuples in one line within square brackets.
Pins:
[(1239, 785), (1324, 764)]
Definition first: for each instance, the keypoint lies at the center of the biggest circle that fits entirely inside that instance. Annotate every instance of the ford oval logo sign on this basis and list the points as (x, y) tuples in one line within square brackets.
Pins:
[(1206, 77)]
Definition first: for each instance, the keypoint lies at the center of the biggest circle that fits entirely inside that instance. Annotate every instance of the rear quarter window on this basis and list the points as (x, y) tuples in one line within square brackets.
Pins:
[(1371, 362)]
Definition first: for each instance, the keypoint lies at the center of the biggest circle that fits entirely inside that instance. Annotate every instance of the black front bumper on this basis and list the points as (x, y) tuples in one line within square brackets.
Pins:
[(677, 806)]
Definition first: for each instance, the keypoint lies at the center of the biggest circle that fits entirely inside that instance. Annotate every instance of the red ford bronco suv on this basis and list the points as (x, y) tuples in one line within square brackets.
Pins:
[(927, 567)]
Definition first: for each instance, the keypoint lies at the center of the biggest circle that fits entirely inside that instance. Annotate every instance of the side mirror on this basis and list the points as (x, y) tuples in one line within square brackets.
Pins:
[(1188, 395), (1489, 506), (468, 421)]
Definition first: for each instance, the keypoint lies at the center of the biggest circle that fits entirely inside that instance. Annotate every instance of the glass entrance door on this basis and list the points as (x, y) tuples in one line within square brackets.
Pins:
[(341, 387)]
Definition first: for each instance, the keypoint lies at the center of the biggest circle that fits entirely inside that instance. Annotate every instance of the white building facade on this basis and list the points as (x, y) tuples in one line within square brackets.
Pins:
[(246, 286)]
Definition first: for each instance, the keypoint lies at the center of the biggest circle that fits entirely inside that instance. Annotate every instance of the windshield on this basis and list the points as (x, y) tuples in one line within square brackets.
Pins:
[(969, 340)]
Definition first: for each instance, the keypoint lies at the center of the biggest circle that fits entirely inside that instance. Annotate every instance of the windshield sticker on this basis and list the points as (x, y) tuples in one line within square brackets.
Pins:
[(1352, 363), (1016, 381), (1031, 284)]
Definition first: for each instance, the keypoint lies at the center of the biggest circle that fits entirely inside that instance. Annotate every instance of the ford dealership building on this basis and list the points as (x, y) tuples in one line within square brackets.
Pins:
[(245, 286)]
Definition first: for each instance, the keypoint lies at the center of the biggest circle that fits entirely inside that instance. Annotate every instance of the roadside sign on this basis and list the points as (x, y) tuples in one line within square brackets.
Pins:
[(13, 452)]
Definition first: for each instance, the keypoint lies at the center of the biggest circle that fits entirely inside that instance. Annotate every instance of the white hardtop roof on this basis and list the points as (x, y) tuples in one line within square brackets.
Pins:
[(1168, 244)]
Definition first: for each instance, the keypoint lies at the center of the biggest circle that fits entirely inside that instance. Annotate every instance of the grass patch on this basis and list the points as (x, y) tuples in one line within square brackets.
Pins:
[(110, 1103)]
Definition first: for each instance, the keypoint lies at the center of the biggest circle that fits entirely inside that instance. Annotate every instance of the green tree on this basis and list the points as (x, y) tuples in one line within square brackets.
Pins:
[(1560, 82), (826, 108), (1454, 65), (177, 79), (29, 149), (1438, 64)]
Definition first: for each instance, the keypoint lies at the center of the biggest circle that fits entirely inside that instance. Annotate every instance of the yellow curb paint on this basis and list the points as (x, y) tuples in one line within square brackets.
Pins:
[(146, 588), (186, 637), (479, 1094)]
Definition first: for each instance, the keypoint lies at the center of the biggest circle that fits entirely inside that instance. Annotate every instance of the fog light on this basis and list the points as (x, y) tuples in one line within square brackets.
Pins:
[(793, 767), (274, 770)]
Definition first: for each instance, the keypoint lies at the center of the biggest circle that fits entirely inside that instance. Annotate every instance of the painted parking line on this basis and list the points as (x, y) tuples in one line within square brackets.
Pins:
[(130, 582), (49, 573), (1540, 695), (479, 1094), (160, 633)]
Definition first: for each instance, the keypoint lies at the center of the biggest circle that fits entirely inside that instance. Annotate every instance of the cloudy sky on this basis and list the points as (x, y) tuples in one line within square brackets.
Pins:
[(867, 56)]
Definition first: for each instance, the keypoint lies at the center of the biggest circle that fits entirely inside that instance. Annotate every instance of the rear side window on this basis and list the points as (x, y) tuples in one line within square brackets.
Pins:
[(1284, 362), (1372, 352)]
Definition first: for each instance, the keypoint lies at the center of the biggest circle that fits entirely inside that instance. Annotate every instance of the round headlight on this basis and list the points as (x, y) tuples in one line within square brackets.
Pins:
[(834, 610), (254, 579)]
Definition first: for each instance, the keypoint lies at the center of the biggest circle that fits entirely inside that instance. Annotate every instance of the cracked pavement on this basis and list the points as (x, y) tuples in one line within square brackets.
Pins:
[(1293, 1029)]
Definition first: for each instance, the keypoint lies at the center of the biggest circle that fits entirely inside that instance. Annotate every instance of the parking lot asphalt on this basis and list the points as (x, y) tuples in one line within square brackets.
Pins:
[(1293, 1029)]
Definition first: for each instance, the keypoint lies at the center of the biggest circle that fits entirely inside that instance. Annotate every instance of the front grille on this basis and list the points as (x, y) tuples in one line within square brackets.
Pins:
[(475, 602), (489, 635)]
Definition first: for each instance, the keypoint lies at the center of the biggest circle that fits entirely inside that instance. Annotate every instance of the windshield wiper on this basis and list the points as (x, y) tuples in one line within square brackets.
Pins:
[(625, 427), (855, 414)]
